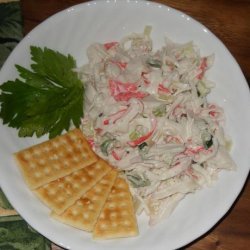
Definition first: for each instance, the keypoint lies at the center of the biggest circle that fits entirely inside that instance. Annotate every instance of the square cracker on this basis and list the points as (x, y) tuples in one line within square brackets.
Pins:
[(55, 158), (63, 192), (84, 213), (117, 218)]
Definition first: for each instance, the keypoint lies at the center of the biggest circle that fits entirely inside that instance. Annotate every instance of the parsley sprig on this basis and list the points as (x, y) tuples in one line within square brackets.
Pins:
[(46, 99)]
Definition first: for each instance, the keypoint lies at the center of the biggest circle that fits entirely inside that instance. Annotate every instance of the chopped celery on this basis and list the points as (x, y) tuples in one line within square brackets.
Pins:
[(105, 146), (142, 146), (207, 139), (147, 30), (159, 111), (202, 89), (138, 181), (155, 63), (135, 134), (208, 144), (167, 98), (143, 150), (188, 50)]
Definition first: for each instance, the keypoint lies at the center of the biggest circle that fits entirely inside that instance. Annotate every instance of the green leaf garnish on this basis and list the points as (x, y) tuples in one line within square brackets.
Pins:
[(47, 99)]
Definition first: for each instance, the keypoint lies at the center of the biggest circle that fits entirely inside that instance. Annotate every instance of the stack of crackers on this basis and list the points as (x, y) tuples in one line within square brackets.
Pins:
[(81, 189)]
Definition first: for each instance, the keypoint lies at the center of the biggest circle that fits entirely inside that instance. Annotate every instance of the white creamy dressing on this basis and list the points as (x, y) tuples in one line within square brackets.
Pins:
[(146, 112)]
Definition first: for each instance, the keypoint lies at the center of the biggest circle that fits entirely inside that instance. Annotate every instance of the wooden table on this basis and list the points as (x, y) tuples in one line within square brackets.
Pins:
[(230, 21)]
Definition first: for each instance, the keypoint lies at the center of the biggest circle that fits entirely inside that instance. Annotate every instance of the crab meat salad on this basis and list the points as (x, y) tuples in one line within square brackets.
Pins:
[(147, 113)]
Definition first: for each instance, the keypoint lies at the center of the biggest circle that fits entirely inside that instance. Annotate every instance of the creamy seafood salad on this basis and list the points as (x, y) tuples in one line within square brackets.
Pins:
[(147, 113)]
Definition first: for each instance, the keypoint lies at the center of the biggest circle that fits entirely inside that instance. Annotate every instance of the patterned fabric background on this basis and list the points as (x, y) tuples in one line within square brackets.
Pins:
[(10, 28), (15, 233)]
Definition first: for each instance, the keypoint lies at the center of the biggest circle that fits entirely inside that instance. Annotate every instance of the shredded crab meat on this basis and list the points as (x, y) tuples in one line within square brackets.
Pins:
[(148, 115)]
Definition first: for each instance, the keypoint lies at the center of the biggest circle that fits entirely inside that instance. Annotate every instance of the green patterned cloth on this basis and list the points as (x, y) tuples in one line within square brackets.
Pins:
[(10, 28), (15, 233)]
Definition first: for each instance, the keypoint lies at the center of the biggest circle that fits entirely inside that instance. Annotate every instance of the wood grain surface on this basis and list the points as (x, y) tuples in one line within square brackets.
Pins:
[(230, 22)]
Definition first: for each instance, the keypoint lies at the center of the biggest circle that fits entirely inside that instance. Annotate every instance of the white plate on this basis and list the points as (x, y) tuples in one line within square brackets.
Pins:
[(71, 31)]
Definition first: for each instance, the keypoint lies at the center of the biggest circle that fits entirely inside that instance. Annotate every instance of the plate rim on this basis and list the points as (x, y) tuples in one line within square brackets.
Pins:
[(77, 7)]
